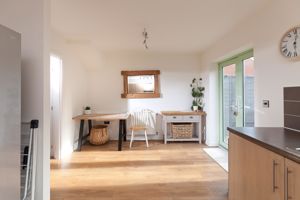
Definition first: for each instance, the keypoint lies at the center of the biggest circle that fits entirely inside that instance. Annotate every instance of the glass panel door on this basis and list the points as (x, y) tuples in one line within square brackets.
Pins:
[(229, 98), (236, 94), (249, 92)]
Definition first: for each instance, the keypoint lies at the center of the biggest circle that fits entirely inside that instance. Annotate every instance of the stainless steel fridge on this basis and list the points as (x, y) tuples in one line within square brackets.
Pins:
[(10, 113)]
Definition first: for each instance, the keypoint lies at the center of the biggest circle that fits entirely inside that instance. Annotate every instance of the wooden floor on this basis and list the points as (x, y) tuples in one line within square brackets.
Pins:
[(177, 171)]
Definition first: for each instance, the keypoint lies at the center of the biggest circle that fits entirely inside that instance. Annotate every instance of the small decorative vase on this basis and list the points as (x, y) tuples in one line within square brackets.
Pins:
[(87, 112), (195, 108)]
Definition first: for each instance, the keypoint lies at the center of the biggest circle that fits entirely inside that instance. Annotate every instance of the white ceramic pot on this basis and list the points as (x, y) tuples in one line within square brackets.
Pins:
[(195, 108), (87, 112)]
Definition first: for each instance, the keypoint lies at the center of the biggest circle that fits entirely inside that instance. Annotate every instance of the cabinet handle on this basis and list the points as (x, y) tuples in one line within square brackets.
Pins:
[(174, 117), (274, 175), (288, 172)]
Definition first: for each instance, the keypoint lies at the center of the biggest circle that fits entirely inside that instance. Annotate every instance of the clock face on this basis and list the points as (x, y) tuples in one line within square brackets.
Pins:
[(290, 43)]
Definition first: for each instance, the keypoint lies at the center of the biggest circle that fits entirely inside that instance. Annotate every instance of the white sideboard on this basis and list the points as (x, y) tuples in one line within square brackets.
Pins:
[(195, 118)]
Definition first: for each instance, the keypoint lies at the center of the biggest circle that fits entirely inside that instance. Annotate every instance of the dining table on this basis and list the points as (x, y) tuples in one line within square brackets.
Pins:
[(90, 118)]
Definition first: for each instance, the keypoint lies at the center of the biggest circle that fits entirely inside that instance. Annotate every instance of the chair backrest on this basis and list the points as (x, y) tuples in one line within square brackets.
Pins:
[(141, 118)]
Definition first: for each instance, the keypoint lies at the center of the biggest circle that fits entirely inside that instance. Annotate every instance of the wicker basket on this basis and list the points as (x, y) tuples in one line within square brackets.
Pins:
[(182, 130), (99, 135)]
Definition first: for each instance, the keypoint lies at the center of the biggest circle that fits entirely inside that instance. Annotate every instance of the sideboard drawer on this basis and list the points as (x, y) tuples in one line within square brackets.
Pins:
[(174, 118), (191, 118)]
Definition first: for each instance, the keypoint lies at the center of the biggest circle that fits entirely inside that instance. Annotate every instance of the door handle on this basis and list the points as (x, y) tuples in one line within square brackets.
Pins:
[(235, 113), (274, 176), (288, 172), (236, 108)]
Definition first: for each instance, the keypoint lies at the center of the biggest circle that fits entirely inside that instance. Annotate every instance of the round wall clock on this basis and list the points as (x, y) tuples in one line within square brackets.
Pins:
[(290, 43)]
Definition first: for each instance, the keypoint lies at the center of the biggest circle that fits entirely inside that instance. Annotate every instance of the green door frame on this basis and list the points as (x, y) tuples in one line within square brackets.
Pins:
[(238, 61)]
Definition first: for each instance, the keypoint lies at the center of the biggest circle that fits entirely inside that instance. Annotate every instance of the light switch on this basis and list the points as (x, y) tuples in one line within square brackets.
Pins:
[(266, 103)]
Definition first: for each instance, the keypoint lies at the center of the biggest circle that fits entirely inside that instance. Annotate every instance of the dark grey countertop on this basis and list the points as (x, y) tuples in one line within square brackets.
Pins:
[(279, 140)]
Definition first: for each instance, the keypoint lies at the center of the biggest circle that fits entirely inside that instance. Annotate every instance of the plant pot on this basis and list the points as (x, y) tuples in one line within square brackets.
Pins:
[(195, 108), (87, 112)]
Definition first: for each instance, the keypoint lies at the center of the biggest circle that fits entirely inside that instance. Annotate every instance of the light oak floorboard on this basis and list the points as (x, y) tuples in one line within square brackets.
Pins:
[(176, 171)]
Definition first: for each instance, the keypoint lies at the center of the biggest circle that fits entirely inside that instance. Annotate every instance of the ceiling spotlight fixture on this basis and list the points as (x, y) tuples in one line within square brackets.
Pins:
[(145, 35)]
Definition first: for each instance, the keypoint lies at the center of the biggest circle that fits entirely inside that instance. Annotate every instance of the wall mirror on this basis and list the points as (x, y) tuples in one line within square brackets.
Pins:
[(141, 84)]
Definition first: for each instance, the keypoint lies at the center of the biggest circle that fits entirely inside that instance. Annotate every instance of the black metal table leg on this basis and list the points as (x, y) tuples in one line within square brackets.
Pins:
[(120, 135), (80, 137), (90, 126), (124, 130)]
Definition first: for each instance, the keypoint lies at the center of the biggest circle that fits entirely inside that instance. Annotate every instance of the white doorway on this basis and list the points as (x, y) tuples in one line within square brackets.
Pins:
[(55, 102)]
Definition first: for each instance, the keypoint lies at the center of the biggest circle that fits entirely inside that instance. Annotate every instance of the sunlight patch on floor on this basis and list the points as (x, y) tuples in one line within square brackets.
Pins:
[(219, 155)]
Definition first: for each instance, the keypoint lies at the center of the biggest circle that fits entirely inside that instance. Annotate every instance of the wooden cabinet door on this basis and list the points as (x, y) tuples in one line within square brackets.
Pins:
[(255, 173), (292, 180)]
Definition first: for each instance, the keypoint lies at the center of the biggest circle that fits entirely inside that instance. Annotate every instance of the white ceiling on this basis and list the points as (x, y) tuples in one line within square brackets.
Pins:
[(173, 25)]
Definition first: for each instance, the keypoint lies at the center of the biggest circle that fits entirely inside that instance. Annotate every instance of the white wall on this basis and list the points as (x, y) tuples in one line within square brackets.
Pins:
[(105, 83), (262, 32), (74, 91), (31, 19)]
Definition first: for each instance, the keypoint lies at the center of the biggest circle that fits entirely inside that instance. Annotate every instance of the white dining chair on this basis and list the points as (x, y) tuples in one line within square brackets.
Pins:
[(139, 121)]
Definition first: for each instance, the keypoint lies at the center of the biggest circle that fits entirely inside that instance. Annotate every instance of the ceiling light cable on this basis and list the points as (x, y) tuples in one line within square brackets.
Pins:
[(145, 35)]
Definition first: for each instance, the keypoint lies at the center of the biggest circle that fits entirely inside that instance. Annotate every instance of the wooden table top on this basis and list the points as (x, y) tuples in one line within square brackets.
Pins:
[(118, 116), (169, 113), (102, 117)]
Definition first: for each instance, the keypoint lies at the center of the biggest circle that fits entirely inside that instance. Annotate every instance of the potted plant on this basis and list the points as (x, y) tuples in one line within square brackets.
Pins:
[(197, 94), (87, 110), (195, 106)]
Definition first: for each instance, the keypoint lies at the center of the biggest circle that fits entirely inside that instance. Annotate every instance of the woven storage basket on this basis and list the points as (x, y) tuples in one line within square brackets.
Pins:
[(99, 135), (182, 130)]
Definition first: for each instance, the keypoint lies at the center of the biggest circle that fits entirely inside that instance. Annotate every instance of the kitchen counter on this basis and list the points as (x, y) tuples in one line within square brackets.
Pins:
[(279, 140)]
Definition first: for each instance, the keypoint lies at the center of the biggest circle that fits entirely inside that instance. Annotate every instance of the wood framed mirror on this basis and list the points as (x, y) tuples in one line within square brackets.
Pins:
[(141, 84)]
